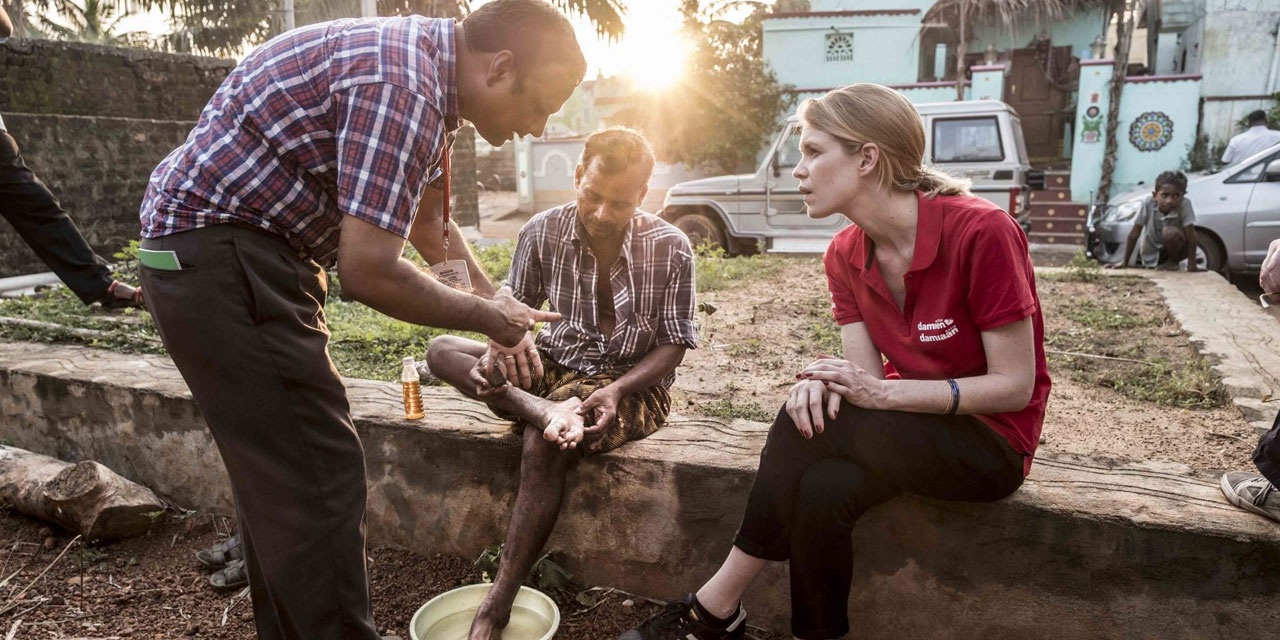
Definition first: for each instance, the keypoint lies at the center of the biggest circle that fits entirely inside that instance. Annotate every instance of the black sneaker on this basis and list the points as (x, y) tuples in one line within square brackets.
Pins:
[(679, 621)]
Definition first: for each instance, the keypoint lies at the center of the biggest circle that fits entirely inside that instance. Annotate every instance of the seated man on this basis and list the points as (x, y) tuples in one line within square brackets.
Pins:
[(623, 281)]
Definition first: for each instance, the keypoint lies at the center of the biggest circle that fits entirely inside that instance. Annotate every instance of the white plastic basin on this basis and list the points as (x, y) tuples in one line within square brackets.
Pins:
[(448, 616)]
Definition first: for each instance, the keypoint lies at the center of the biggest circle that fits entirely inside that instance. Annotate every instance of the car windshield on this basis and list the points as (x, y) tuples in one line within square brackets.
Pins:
[(789, 151), (967, 140)]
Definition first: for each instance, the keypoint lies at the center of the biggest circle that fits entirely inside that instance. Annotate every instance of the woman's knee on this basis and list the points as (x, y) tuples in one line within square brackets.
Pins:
[(839, 489)]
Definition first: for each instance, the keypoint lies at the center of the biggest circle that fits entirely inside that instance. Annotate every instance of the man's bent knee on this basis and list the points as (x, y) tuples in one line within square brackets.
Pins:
[(441, 347)]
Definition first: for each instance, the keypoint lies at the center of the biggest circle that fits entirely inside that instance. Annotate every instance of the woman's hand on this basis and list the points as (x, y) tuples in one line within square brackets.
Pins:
[(846, 380), (805, 403)]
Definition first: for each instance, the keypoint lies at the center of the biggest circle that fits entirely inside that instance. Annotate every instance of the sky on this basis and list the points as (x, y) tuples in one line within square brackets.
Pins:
[(649, 52)]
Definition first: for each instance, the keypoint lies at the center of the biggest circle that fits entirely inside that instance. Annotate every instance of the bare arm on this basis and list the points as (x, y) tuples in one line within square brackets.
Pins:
[(373, 272), (651, 369), (1269, 277), (1190, 232), (427, 236), (6, 26), (1129, 244), (1007, 385), (860, 350)]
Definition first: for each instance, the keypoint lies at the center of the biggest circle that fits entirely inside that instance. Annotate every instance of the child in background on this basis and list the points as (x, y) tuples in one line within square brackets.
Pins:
[(1165, 227)]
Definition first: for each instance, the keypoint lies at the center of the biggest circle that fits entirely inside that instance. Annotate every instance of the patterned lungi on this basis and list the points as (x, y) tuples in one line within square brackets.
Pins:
[(639, 414)]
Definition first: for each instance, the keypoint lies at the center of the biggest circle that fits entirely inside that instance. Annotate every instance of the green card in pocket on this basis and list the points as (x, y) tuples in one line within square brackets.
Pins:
[(159, 260)]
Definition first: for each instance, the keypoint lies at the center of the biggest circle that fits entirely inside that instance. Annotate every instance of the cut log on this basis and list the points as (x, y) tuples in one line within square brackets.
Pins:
[(85, 498)]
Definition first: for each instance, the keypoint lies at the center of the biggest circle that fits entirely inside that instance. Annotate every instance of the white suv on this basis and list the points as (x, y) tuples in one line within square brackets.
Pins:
[(980, 140)]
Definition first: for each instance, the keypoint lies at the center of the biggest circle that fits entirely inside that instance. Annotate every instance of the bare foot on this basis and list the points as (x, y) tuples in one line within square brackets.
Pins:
[(487, 625), (562, 424)]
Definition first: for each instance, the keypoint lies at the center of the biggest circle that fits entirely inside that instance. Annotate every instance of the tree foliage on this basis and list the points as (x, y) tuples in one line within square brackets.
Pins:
[(227, 27), (91, 21), (729, 102)]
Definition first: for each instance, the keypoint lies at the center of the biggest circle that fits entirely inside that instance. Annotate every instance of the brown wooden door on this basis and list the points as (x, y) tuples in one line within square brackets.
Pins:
[(1038, 103)]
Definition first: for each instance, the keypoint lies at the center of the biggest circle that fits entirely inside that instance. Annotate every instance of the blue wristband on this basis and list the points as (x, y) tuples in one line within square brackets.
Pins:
[(955, 397)]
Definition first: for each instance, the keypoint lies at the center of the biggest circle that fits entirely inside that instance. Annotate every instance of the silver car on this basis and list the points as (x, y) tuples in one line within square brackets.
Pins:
[(1237, 216)]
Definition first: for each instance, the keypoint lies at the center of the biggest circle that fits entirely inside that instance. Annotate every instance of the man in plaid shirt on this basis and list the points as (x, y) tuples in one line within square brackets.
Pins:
[(623, 282), (317, 150)]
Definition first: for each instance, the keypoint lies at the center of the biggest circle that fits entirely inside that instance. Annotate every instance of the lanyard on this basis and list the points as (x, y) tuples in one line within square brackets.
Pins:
[(444, 161)]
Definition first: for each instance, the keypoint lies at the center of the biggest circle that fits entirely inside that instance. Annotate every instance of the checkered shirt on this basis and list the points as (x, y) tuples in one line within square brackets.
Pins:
[(653, 290), (344, 117)]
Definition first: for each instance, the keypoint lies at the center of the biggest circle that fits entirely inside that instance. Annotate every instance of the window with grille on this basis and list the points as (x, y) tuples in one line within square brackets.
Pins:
[(839, 47)]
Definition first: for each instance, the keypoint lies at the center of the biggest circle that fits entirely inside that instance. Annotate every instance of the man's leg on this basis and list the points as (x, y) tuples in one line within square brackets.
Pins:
[(451, 359), (35, 214), (243, 323), (543, 470), (1254, 492)]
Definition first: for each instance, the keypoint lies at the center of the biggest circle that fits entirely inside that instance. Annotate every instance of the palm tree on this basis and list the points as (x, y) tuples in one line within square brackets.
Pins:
[(226, 26), (964, 13), (93, 21)]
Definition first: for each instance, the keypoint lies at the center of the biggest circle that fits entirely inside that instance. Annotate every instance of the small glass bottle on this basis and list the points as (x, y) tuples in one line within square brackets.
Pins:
[(412, 391)]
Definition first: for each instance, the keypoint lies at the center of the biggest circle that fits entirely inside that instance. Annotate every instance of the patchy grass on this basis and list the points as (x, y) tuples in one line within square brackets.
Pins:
[(716, 270), (728, 408), (1079, 269), (1116, 332), (365, 343), (1107, 315)]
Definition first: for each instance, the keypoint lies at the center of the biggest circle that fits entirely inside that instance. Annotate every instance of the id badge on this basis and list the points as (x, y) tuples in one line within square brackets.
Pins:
[(453, 273)]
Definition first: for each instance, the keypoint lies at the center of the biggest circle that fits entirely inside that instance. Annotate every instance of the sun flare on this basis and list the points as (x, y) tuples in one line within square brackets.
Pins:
[(655, 63)]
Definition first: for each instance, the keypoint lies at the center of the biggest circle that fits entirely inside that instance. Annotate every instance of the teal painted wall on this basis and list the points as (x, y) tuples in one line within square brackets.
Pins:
[(885, 50), (1077, 30), (861, 5), (1175, 102)]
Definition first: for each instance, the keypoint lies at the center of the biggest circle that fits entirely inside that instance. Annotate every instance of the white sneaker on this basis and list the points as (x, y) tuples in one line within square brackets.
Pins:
[(1251, 492)]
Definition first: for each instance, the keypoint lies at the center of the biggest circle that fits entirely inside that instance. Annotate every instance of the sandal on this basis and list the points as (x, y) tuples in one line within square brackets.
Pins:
[(222, 554), (233, 576)]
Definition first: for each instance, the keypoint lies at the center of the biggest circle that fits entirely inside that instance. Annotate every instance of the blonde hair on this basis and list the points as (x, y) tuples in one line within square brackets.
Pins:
[(865, 112)]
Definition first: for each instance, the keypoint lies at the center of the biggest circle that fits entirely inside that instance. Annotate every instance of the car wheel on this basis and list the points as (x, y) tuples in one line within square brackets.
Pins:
[(1209, 255), (701, 228)]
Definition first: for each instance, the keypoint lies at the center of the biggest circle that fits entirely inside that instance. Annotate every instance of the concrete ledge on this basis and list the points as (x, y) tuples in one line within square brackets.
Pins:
[(1086, 549)]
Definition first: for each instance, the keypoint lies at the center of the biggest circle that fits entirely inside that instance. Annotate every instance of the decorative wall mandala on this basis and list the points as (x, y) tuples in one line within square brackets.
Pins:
[(1151, 131)]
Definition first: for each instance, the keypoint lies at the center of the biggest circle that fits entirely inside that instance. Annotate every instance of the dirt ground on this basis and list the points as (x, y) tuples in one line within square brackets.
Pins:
[(765, 329), (152, 587)]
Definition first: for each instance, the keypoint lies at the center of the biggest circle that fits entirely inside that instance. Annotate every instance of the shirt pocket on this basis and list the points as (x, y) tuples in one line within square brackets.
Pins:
[(639, 333)]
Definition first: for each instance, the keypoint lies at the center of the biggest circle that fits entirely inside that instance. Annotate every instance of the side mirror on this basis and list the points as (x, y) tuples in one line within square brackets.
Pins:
[(777, 168), (1272, 172)]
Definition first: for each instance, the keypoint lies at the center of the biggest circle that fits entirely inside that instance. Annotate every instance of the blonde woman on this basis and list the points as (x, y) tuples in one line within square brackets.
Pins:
[(936, 282)]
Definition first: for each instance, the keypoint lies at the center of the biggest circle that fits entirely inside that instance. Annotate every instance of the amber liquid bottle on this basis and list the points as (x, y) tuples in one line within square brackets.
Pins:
[(412, 391)]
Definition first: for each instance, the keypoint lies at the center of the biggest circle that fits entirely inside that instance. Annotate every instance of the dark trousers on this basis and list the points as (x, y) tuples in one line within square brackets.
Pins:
[(1267, 455), (35, 214), (244, 322), (808, 494)]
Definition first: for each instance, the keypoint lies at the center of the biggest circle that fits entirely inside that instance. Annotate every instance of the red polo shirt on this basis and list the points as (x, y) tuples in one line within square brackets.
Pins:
[(971, 273)]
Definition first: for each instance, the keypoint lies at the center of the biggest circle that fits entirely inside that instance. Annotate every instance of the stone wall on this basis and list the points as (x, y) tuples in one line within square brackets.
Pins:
[(1086, 549), (69, 78), (93, 122), (98, 170)]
